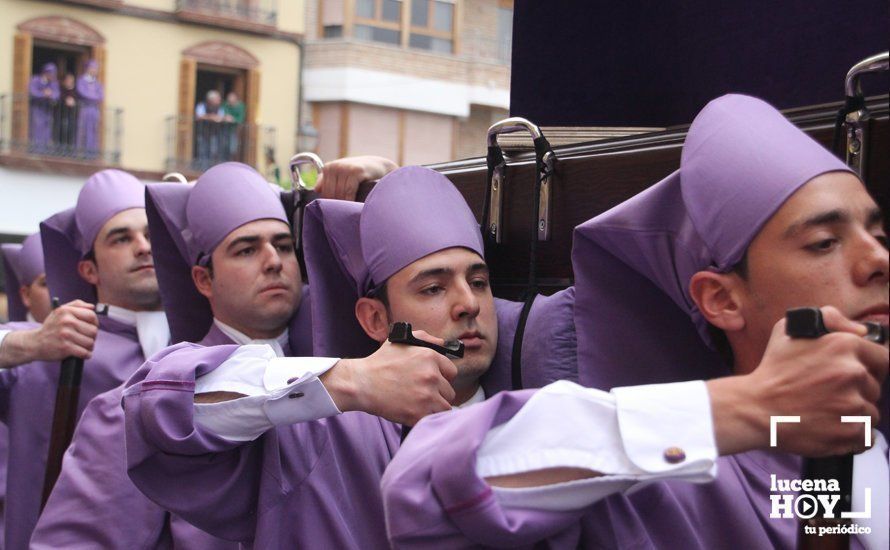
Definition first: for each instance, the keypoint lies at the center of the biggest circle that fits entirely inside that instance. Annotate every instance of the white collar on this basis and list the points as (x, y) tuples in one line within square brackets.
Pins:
[(30, 318), (477, 397), (277, 343), (151, 327)]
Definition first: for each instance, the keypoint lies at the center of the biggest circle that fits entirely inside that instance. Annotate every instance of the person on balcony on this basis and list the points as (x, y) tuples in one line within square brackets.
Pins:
[(67, 131), (43, 93), (91, 92), (208, 114), (233, 119)]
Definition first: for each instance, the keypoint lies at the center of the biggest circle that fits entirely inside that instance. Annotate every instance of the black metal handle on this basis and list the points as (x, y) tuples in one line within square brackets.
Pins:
[(808, 323), (64, 418), (401, 333)]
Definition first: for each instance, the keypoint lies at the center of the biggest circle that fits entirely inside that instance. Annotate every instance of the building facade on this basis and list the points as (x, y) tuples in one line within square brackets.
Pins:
[(418, 81), (157, 60)]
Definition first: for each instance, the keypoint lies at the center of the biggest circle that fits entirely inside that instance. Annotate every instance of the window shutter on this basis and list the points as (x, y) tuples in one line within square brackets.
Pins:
[(252, 103), (100, 57), (184, 121), (21, 76)]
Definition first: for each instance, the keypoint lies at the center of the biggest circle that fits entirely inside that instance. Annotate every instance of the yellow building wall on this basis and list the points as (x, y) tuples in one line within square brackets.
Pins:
[(290, 12), (142, 74), (165, 5), (291, 15)]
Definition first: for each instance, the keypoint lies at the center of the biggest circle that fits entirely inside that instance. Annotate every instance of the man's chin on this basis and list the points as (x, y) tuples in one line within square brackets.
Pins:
[(278, 311), (474, 362)]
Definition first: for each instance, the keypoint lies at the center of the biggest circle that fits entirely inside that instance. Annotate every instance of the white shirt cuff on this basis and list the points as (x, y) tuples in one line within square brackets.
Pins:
[(577, 427), (668, 428), (3, 334), (278, 390)]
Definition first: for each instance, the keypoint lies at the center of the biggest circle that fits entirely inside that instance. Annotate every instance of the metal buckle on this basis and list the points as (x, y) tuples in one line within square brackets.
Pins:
[(856, 122), (301, 159), (498, 178), (175, 176)]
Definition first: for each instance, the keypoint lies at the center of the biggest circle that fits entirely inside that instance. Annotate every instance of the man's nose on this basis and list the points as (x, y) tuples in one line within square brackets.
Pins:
[(466, 302), (872, 263), (271, 258), (143, 244)]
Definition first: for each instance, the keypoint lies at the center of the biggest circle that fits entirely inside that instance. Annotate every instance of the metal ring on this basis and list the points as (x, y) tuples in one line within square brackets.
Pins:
[(879, 62), (299, 159), (509, 125), (175, 176)]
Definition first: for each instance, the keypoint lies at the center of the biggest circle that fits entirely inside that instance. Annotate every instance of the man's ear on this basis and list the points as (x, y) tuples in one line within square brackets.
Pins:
[(371, 315), (717, 297), (203, 281), (88, 271), (25, 295)]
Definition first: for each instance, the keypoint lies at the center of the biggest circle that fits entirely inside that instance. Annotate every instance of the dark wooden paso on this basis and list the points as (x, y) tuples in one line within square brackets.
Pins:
[(592, 177)]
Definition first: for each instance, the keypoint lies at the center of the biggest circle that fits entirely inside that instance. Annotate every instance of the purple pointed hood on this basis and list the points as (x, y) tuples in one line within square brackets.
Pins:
[(22, 264), (635, 319)]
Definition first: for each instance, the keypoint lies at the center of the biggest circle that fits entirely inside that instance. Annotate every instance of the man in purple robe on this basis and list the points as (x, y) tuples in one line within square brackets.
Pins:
[(758, 219), (234, 439), (97, 252), (28, 299), (27, 292), (43, 94), (94, 503), (90, 94)]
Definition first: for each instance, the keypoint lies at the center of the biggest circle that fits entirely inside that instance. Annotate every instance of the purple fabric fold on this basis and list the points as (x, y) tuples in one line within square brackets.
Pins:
[(94, 502), (30, 394)]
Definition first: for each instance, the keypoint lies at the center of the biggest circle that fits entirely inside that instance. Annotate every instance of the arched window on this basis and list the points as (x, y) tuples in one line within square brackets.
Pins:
[(226, 68), (66, 42)]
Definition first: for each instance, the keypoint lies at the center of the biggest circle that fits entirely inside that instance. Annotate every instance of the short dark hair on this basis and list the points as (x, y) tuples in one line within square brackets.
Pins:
[(91, 256), (718, 337), (380, 292), (741, 267)]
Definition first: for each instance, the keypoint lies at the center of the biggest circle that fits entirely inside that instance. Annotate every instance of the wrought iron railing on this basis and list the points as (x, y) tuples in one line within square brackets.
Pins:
[(196, 145), (70, 130), (264, 12)]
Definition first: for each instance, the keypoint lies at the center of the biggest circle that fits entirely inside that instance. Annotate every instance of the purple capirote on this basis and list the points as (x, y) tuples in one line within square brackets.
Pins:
[(440, 219), (224, 198), (22, 265)]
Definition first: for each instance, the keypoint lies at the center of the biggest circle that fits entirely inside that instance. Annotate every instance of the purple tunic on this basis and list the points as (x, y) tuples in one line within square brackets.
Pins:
[(94, 503), (308, 485), (30, 393), (91, 93), (41, 107)]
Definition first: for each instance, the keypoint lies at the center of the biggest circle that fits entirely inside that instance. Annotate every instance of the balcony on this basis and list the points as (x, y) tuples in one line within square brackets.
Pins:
[(193, 146), (60, 133), (259, 16), (103, 4)]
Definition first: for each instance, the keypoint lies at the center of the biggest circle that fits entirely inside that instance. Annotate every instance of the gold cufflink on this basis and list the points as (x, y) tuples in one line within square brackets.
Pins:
[(674, 455)]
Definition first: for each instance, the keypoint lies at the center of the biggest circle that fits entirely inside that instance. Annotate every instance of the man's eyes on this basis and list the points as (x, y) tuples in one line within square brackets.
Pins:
[(432, 290), (479, 283), (823, 245)]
